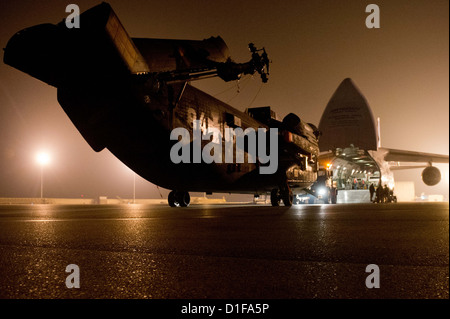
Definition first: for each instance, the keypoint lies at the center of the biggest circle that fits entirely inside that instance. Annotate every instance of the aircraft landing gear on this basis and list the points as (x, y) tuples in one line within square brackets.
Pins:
[(179, 199), (284, 194), (275, 197)]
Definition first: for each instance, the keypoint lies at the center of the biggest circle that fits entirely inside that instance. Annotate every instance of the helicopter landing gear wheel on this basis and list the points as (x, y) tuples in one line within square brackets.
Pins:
[(183, 199), (275, 197), (286, 195), (179, 199), (171, 199), (283, 194)]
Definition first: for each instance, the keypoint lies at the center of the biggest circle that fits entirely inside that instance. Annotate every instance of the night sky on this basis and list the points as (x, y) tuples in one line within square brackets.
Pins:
[(402, 69)]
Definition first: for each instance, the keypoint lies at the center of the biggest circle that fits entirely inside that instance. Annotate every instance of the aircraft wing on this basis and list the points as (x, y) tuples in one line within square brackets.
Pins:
[(392, 155)]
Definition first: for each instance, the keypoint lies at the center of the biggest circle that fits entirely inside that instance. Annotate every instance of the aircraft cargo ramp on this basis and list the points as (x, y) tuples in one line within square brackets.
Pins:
[(347, 196)]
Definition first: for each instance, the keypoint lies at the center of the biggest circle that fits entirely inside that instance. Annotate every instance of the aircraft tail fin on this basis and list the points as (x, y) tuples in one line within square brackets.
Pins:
[(56, 54), (122, 42)]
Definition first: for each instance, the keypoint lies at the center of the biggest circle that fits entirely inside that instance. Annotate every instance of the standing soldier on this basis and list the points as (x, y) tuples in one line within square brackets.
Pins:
[(386, 194), (372, 191), (379, 196)]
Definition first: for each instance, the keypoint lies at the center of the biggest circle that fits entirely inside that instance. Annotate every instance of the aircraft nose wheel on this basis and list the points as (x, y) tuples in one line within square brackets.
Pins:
[(179, 199)]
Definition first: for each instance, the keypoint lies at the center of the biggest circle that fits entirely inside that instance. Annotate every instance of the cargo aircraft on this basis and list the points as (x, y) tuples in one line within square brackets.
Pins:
[(350, 144), (129, 94)]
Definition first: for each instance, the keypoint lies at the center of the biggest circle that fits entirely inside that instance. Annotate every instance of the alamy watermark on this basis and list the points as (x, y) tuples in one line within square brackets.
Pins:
[(73, 19), (256, 146), (73, 280), (373, 280), (373, 19)]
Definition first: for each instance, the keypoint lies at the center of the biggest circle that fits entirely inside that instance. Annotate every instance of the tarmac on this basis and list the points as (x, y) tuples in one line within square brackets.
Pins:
[(137, 251)]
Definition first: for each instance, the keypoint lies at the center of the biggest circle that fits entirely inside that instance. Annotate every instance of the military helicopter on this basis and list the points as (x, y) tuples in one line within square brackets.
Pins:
[(133, 96)]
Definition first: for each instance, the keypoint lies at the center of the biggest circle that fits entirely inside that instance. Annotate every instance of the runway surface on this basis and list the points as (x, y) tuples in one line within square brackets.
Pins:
[(316, 251)]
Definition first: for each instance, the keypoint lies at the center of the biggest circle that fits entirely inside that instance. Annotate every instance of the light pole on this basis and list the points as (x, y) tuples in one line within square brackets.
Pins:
[(43, 159)]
